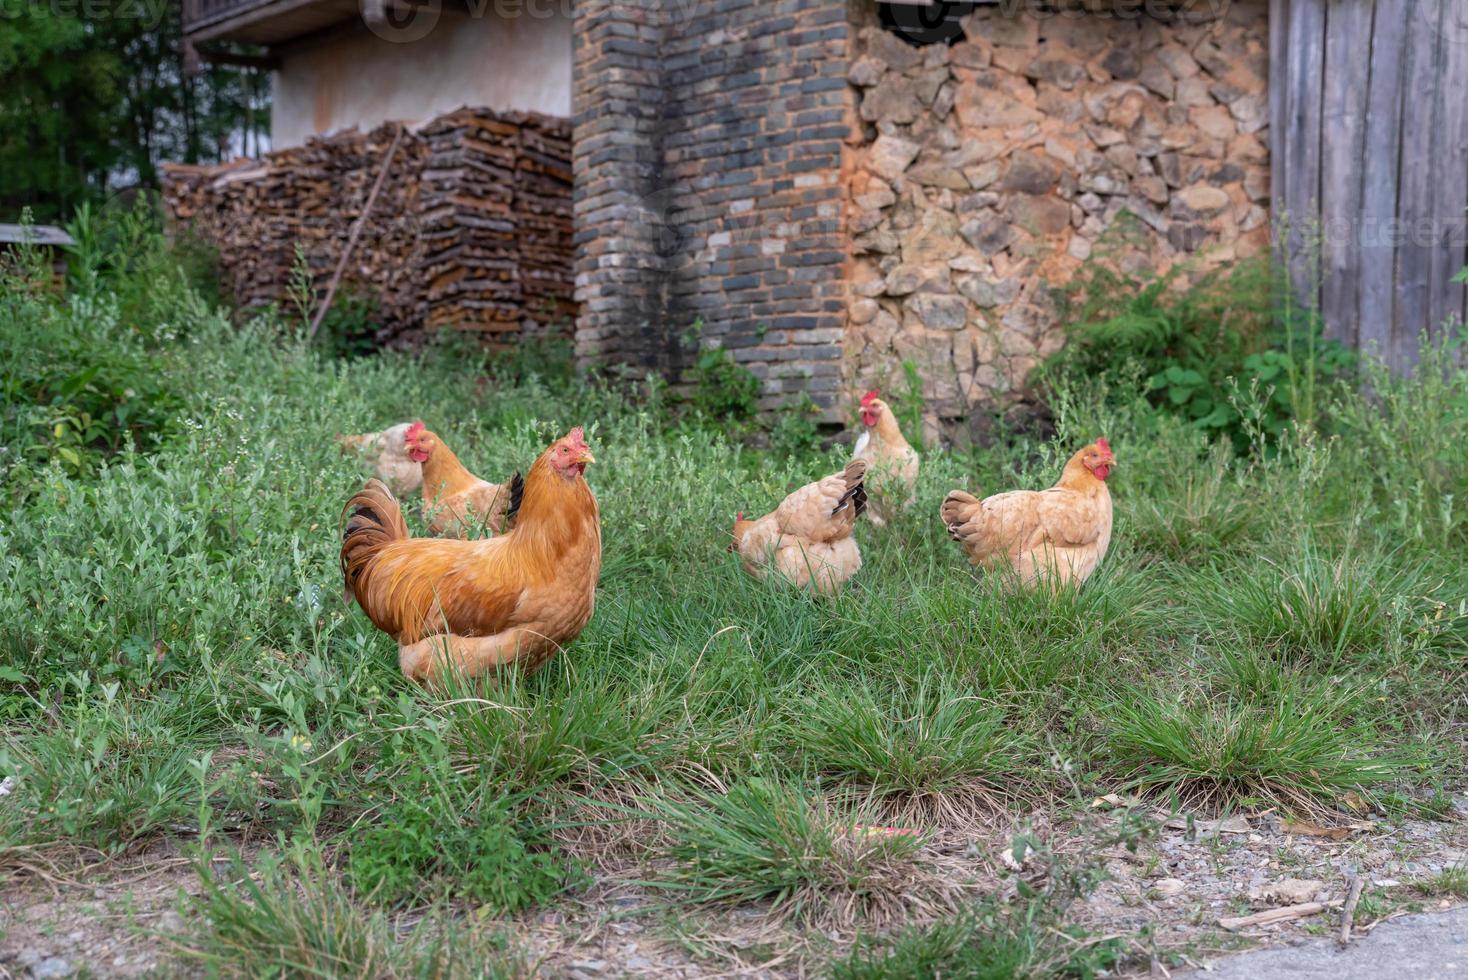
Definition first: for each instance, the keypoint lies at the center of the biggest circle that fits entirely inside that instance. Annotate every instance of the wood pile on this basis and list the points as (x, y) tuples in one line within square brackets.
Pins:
[(471, 230)]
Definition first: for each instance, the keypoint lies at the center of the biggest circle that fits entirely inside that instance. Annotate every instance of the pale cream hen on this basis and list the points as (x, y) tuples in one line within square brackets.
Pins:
[(1048, 537), (807, 541), (892, 464)]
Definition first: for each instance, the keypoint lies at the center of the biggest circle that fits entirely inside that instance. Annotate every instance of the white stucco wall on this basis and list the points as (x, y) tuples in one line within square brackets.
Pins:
[(356, 78)]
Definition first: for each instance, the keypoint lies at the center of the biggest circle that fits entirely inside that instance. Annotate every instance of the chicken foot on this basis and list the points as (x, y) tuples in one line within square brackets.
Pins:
[(431, 657)]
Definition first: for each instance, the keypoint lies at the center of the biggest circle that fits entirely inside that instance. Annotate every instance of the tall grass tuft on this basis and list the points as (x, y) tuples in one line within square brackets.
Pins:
[(923, 737), (776, 841), (1295, 749), (1311, 603), (293, 919)]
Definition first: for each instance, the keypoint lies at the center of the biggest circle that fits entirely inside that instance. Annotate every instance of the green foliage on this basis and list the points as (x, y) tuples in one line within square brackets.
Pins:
[(796, 431), (424, 847), (80, 384), (1209, 348), (724, 397), (1451, 882), (291, 918), (121, 256), (95, 97), (723, 391), (773, 840), (200, 264), (549, 360), (349, 328), (908, 405), (110, 773), (961, 947), (1317, 606), (988, 944), (1292, 748), (177, 668), (1408, 438), (926, 736), (1029, 937), (1207, 511)]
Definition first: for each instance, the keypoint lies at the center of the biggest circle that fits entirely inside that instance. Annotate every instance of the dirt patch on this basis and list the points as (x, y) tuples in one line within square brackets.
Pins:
[(1164, 898), (60, 914)]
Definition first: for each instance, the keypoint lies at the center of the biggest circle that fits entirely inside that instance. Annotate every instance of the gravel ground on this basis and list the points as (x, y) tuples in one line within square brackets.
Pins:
[(1167, 896), (1425, 947)]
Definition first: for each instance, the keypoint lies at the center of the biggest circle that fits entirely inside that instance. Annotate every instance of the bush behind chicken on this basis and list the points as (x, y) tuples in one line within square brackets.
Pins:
[(177, 664)]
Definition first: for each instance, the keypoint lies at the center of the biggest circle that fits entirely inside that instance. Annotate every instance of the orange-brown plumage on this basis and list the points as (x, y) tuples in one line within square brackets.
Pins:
[(455, 501), (514, 598), (1053, 536)]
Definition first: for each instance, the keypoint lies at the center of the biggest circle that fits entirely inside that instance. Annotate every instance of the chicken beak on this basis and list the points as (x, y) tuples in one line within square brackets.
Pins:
[(584, 458)]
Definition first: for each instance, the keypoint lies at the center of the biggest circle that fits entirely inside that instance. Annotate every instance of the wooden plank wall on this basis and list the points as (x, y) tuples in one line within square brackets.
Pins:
[(1369, 147)]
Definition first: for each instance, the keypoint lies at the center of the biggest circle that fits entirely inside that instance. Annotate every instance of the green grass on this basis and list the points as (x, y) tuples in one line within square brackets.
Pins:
[(293, 919), (983, 945), (1314, 605), (1275, 626), (1292, 747), (762, 839), (913, 737), (1449, 883)]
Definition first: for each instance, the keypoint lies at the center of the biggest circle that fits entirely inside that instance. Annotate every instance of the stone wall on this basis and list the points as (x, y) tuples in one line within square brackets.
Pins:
[(990, 169), (709, 190)]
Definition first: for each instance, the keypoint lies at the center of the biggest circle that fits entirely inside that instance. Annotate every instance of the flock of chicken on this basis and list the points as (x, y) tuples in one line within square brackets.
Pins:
[(468, 603)]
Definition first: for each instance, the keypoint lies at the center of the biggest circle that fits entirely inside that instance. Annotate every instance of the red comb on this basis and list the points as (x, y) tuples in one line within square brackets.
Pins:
[(870, 396), (1103, 445), (739, 516), (577, 436), (415, 430)]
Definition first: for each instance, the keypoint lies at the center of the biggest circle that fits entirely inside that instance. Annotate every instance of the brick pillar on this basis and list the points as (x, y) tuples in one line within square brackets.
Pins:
[(709, 152), (617, 162)]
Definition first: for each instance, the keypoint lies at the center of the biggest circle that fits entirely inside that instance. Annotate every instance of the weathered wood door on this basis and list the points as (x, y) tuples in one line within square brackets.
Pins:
[(1369, 148)]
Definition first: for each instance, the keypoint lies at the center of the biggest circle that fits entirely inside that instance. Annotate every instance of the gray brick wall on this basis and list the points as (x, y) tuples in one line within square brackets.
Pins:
[(710, 140)]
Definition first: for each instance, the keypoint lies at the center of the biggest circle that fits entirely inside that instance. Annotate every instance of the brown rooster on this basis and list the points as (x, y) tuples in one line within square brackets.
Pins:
[(1054, 536), (474, 605), (807, 539), (455, 501)]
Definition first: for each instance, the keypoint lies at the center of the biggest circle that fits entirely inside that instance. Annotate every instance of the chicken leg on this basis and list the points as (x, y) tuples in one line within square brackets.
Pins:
[(431, 657)]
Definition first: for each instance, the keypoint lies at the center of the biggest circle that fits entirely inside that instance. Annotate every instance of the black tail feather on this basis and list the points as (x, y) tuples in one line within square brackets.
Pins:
[(370, 520), (856, 496), (517, 494)]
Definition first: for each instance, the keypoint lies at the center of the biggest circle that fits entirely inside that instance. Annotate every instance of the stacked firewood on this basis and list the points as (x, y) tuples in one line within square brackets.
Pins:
[(471, 229), (543, 206)]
